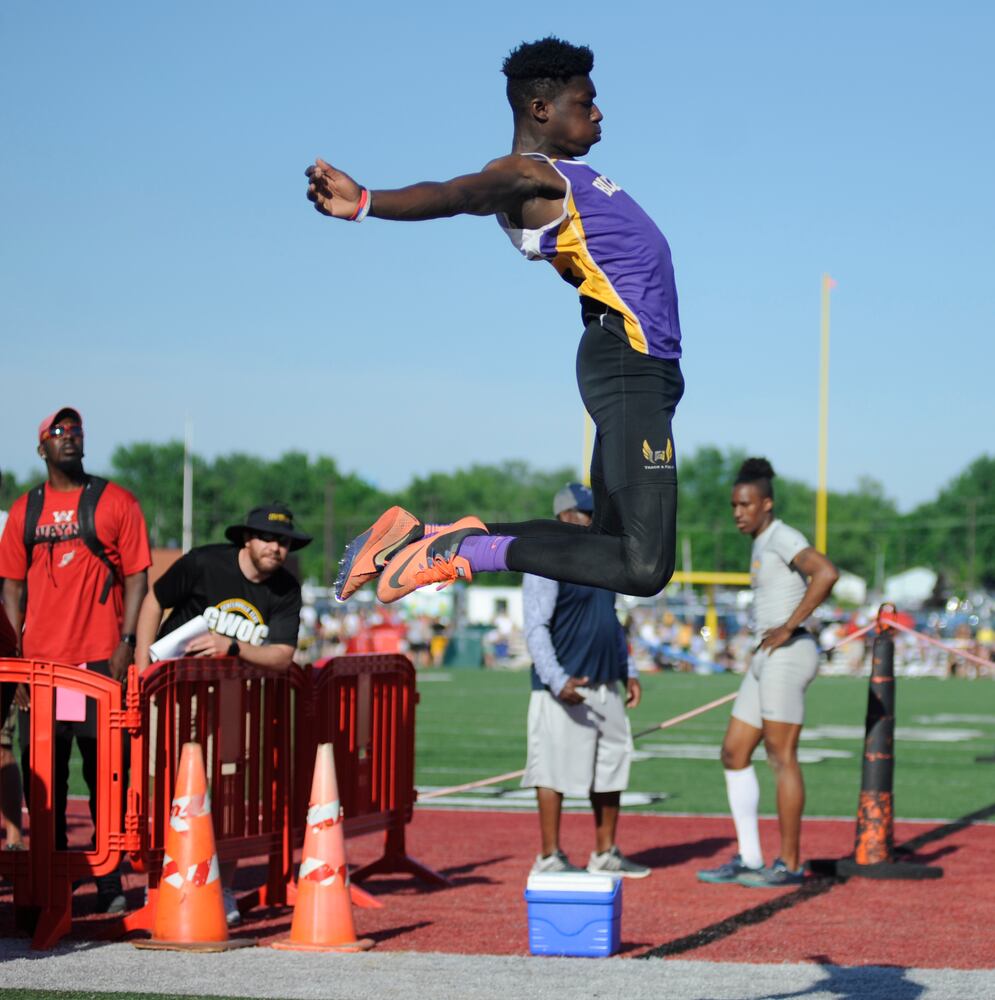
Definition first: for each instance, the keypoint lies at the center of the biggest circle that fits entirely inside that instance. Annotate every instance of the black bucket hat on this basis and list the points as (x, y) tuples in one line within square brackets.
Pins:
[(269, 519)]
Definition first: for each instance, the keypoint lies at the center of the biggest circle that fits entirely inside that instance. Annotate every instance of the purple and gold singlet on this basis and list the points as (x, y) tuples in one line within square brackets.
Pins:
[(611, 251)]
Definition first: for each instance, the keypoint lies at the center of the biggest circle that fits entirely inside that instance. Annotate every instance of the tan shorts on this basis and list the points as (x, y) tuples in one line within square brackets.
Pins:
[(774, 686), (578, 749)]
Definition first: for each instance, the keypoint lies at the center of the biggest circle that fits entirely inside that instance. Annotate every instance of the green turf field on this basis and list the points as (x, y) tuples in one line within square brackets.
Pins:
[(473, 726)]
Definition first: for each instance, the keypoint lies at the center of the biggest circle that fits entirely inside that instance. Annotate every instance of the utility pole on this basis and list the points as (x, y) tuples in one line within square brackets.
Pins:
[(972, 540), (328, 541), (188, 486), (820, 495)]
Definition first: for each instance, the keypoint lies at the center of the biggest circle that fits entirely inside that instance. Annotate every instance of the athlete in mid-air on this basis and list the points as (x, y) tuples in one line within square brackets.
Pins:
[(555, 207)]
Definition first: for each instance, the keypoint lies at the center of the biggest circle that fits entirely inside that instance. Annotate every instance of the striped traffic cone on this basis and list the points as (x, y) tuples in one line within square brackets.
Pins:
[(323, 912), (190, 913)]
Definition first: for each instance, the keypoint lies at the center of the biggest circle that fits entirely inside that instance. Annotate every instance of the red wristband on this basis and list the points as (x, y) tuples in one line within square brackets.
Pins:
[(363, 208)]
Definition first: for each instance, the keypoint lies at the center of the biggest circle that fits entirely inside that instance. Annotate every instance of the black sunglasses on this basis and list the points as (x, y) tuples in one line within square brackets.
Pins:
[(61, 430), (265, 536)]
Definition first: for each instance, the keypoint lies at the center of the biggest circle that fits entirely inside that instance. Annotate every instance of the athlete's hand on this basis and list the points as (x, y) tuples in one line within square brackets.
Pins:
[(333, 192), (210, 644), (569, 693), (774, 638), (633, 692)]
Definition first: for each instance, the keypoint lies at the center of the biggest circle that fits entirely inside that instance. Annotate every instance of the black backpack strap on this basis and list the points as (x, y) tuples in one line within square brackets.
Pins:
[(87, 515), (36, 501)]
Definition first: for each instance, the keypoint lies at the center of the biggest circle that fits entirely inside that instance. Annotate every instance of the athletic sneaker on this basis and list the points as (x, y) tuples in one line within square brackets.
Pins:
[(110, 894), (367, 554), (775, 877), (112, 903), (431, 560), (555, 862), (232, 915), (614, 862), (727, 873)]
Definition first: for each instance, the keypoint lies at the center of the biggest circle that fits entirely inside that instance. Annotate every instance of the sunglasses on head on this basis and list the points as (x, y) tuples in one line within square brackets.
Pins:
[(64, 430)]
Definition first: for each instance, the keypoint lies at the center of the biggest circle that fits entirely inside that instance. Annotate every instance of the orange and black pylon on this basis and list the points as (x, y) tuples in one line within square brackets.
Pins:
[(874, 845), (875, 839)]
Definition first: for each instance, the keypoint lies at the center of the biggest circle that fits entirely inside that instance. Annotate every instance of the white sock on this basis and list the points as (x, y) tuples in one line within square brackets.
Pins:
[(743, 790)]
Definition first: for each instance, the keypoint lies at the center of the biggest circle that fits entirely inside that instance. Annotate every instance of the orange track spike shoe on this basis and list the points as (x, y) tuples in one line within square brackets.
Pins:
[(367, 554), (432, 560)]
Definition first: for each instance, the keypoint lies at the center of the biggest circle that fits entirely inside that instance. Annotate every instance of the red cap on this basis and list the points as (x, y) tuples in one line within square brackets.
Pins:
[(53, 418)]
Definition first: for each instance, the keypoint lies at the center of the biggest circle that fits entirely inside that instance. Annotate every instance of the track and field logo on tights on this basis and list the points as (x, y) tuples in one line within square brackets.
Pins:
[(659, 458)]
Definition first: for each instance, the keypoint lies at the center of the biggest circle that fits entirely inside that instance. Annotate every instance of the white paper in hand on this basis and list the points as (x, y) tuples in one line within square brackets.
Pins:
[(170, 646)]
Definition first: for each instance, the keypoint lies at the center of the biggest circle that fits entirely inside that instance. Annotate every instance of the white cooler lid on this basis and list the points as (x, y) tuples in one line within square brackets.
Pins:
[(571, 882)]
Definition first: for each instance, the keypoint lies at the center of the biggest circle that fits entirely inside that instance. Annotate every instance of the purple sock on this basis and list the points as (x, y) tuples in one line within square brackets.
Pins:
[(486, 553)]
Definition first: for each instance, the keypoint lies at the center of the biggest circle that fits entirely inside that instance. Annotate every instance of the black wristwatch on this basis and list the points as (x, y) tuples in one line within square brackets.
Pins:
[(129, 639), (233, 649)]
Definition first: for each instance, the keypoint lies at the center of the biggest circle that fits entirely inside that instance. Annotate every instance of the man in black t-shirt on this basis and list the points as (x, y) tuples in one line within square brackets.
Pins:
[(252, 606), (250, 602)]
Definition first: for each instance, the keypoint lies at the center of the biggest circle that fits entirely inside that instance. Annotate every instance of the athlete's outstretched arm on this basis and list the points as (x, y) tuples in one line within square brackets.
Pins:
[(504, 185)]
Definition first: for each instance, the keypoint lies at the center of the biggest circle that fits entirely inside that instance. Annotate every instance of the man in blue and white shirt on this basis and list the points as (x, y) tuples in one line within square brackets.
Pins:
[(579, 741)]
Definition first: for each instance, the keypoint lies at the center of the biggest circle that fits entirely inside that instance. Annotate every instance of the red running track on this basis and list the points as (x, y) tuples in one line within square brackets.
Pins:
[(943, 923)]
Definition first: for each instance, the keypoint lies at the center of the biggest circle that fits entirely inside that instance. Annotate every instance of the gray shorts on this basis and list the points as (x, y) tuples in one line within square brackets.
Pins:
[(774, 686), (578, 749)]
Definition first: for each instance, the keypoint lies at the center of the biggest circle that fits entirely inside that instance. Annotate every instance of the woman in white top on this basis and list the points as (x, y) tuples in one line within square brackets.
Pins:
[(790, 579)]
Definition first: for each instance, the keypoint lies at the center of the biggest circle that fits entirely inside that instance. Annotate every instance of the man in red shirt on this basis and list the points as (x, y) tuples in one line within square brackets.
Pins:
[(83, 594)]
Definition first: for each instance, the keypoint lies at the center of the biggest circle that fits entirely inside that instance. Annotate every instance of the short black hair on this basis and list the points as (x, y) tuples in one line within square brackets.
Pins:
[(542, 68), (760, 473)]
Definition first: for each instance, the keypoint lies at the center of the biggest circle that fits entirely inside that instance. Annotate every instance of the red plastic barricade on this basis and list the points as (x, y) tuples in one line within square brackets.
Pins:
[(365, 706), (43, 877), (240, 714), (258, 728)]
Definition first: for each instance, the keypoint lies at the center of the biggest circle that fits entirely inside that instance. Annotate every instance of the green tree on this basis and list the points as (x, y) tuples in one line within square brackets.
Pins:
[(858, 522), (862, 535), (955, 533), (11, 488), (154, 473), (326, 504), (704, 520), (495, 493)]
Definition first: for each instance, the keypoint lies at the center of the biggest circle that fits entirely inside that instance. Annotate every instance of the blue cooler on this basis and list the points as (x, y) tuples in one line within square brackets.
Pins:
[(574, 913)]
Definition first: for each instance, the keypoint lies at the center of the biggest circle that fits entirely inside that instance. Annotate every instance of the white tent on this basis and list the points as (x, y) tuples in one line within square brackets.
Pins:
[(850, 588), (910, 590)]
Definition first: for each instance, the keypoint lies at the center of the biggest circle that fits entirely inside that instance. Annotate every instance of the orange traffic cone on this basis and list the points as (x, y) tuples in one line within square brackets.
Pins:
[(323, 912), (190, 914)]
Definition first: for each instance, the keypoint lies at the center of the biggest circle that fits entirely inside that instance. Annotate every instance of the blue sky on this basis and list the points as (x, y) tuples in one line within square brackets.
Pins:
[(158, 258)]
